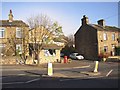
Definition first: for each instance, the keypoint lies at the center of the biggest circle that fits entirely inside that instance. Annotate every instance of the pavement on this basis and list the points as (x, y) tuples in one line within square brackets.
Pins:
[(70, 70), (73, 64)]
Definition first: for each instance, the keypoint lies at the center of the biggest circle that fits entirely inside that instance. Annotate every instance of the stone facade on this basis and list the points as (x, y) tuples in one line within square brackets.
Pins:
[(16, 38), (36, 39), (92, 40), (86, 42), (9, 35), (109, 42)]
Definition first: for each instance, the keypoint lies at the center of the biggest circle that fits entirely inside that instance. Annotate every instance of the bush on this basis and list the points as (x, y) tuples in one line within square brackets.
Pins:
[(117, 51), (68, 50), (103, 55)]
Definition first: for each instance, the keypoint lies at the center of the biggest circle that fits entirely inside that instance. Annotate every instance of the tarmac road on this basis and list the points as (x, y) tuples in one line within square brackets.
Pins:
[(64, 76)]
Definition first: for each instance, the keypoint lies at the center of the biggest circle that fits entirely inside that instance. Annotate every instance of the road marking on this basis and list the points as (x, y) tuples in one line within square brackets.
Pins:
[(2, 77), (13, 83), (21, 74), (82, 66), (16, 74), (96, 77), (109, 73), (33, 80), (69, 79), (22, 82), (80, 78)]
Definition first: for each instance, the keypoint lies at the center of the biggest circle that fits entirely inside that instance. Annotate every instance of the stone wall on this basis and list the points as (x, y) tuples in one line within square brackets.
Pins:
[(8, 60), (86, 42), (109, 42)]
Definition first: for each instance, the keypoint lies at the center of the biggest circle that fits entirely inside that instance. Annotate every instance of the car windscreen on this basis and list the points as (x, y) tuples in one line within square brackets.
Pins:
[(78, 55)]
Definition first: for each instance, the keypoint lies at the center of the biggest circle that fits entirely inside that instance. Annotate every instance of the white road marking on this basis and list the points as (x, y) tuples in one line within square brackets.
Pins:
[(22, 82), (16, 74), (21, 74), (109, 73), (33, 80), (96, 77), (13, 83), (82, 66), (80, 78), (68, 79), (2, 77)]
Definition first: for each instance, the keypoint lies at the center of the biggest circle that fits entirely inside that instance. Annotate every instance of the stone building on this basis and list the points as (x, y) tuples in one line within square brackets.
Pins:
[(42, 40), (92, 40), (13, 35)]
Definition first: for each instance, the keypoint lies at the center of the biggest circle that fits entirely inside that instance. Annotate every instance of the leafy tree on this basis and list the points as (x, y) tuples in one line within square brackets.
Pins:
[(117, 50), (43, 31), (69, 47)]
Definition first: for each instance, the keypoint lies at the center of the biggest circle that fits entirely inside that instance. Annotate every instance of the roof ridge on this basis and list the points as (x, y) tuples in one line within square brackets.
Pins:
[(105, 25), (13, 20), (104, 28)]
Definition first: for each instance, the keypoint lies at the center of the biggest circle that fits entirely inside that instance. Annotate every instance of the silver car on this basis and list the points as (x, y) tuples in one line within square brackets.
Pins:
[(76, 56)]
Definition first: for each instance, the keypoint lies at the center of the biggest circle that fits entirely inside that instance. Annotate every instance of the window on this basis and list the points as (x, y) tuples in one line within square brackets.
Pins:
[(2, 45), (19, 48), (2, 32), (18, 33), (105, 48), (49, 52), (113, 36), (105, 36)]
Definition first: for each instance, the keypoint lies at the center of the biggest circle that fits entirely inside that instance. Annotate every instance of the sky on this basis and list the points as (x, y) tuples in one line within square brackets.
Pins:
[(67, 14)]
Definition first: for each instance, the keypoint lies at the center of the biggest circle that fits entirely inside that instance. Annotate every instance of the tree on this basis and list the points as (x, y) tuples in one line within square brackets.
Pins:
[(117, 50), (23, 40), (43, 31), (69, 47), (70, 40)]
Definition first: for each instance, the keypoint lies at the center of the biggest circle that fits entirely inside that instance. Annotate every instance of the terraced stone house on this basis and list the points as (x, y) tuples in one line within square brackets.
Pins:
[(13, 35), (92, 40)]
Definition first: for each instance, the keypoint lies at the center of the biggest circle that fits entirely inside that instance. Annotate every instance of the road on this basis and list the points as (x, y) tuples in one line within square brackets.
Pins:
[(29, 77)]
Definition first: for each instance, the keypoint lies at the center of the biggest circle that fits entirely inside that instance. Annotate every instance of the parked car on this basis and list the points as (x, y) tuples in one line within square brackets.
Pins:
[(61, 54), (76, 56)]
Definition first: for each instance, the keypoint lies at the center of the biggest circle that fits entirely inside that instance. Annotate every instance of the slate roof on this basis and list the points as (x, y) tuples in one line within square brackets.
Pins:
[(107, 28), (61, 38), (14, 23), (51, 46)]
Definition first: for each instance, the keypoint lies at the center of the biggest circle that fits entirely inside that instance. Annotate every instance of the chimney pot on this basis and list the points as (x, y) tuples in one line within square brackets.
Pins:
[(85, 20), (10, 16), (101, 22)]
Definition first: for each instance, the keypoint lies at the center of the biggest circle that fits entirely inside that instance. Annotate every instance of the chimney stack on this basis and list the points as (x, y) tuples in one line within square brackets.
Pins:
[(85, 20), (101, 22), (10, 16)]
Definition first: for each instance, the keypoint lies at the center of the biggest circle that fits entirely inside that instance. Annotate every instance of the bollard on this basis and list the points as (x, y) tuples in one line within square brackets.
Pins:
[(96, 66), (50, 69)]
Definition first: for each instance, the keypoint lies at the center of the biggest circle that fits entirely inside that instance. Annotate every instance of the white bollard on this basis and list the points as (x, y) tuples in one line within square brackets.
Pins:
[(96, 66), (50, 69)]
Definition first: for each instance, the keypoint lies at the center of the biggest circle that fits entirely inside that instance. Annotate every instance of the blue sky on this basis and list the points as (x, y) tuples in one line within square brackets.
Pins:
[(68, 14)]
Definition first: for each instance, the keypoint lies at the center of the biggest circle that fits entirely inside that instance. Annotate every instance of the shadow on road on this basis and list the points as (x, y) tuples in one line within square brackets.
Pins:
[(33, 73)]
